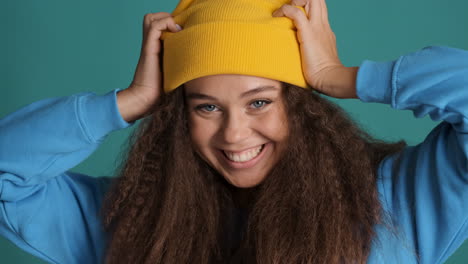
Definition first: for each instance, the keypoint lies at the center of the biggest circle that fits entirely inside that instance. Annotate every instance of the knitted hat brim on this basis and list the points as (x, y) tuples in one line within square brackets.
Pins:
[(218, 48)]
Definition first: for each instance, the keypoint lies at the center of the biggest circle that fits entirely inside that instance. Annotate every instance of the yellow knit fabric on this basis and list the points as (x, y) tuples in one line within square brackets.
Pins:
[(231, 37)]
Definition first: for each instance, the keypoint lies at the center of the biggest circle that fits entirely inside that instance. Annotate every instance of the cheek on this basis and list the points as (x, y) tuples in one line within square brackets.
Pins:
[(201, 132), (195, 132), (274, 125)]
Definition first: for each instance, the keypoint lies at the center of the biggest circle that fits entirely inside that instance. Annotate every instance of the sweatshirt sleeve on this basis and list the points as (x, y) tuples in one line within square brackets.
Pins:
[(425, 187), (45, 209)]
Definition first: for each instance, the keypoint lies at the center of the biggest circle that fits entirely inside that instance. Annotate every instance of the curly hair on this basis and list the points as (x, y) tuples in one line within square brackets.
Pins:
[(319, 204)]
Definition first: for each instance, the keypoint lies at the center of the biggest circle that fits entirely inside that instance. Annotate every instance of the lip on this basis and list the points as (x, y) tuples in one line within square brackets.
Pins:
[(246, 164), (244, 150)]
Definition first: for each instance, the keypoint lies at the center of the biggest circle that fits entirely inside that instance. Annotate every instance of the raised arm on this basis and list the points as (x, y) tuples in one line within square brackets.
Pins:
[(48, 137), (425, 188), (44, 209)]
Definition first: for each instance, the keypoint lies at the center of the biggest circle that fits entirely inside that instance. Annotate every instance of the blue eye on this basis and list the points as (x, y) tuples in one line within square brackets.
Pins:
[(207, 107), (260, 103)]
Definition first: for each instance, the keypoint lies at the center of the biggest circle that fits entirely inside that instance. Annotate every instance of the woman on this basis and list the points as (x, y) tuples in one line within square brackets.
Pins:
[(242, 168)]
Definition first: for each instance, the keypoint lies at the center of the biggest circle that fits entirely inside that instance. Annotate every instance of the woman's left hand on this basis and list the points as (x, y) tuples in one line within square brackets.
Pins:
[(321, 65)]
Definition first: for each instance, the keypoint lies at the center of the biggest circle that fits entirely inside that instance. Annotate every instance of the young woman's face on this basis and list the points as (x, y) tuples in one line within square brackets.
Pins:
[(238, 125)]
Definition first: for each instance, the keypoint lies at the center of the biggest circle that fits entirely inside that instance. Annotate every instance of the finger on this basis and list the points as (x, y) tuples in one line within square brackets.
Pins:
[(299, 2), (324, 11), (150, 17), (163, 24), (294, 13), (315, 10), (152, 35), (302, 3)]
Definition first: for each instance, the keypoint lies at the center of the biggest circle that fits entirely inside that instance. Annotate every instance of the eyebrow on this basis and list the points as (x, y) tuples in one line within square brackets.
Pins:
[(251, 92)]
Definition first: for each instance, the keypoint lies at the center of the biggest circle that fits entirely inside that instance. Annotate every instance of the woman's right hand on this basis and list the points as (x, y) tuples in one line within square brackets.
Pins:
[(146, 87)]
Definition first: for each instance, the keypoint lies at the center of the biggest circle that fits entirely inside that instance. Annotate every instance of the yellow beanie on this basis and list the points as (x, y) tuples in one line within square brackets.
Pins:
[(231, 37)]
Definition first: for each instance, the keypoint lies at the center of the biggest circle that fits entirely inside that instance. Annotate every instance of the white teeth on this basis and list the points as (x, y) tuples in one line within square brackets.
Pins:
[(244, 156)]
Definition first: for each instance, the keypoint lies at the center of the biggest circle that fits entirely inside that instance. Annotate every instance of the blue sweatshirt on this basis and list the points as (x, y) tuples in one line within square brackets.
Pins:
[(52, 213)]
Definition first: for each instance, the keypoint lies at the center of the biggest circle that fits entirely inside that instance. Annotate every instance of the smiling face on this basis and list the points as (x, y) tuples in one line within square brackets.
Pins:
[(238, 125)]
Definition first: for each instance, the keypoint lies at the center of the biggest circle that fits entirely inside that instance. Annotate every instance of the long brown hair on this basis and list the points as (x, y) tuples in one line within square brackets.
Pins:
[(318, 205)]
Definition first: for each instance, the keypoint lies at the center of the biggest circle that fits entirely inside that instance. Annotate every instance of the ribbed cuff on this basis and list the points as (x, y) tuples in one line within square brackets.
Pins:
[(374, 81), (100, 114)]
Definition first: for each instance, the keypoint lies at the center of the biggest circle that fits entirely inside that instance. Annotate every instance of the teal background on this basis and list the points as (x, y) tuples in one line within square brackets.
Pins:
[(56, 48)]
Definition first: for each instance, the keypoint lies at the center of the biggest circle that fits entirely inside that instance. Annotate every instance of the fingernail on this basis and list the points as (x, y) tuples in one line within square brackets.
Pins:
[(178, 27)]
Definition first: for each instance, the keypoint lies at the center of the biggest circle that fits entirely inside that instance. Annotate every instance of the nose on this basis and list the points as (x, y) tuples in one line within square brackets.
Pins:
[(236, 128)]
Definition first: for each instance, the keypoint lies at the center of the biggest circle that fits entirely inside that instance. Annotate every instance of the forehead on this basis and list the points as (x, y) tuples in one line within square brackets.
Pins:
[(228, 84)]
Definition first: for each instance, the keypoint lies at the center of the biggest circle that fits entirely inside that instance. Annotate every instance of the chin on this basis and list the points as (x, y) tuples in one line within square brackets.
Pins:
[(244, 183)]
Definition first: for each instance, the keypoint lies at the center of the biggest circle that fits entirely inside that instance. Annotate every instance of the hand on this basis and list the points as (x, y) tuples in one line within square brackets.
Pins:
[(146, 87), (321, 65)]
